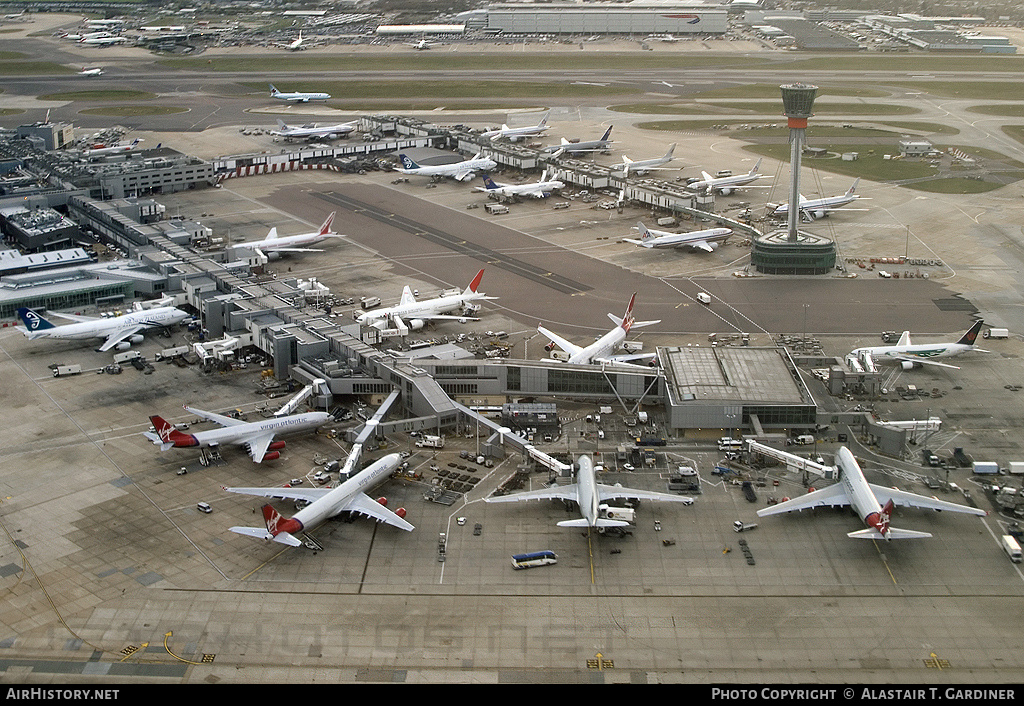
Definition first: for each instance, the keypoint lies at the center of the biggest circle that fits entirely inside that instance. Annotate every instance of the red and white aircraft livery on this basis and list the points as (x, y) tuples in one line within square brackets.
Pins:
[(257, 437), (325, 503), (872, 503), (275, 243), (600, 351)]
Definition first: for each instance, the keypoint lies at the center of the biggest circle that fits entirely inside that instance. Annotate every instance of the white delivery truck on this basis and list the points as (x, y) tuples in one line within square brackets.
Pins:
[(62, 370), (1011, 547), (996, 333), (704, 297), (430, 442)]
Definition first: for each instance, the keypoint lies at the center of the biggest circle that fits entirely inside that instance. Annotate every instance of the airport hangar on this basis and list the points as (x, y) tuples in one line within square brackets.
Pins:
[(757, 390)]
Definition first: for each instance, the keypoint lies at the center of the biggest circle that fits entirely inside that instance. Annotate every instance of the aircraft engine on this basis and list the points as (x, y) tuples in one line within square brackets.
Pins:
[(123, 346), (820, 213), (137, 338), (276, 446), (549, 347), (416, 324), (726, 191), (401, 512), (273, 455), (332, 136), (272, 255), (383, 501), (908, 365)]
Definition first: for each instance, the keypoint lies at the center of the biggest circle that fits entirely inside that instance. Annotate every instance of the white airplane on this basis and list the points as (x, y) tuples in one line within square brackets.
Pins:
[(104, 41), (641, 167), (117, 331), (422, 45), (600, 350), (591, 496), (295, 44), (601, 145), (910, 355), (706, 240), (298, 96), (460, 171), (818, 208), (539, 189), (726, 185), (257, 437), (514, 134), (275, 243), (319, 132), (325, 503), (90, 72), (114, 149), (872, 503), (415, 314)]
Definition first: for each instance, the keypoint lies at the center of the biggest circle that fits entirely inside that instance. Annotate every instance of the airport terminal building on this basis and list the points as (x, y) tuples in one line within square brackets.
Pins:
[(686, 19)]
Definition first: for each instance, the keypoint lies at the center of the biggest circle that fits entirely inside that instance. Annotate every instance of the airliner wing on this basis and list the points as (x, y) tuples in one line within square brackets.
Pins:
[(612, 492), (365, 505), (700, 245), (832, 496), (629, 358), (558, 492), (570, 348), (74, 317), (905, 499), (115, 338), (258, 445), (218, 418), (306, 494), (923, 361), (273, 249)]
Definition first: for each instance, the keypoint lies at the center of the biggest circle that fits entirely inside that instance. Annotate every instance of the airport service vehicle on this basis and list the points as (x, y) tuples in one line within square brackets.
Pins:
[(910, 355), (1011, 547), (297, 96), (642, 166), (91, 72), (325, 503), (590, 496), (532, 559), (600, 351), (872, 503), (514, 134), (706, 240), (273, 245), (117, 331), (726, 185), (996, 333), (257, 437), (460, 171), (430, 442), (414, 315)]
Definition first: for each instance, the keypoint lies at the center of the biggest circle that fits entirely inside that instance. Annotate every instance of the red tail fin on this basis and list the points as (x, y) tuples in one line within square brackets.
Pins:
[(476, 282), (169, 434), (277, 524), (326, 227), (627, 318)]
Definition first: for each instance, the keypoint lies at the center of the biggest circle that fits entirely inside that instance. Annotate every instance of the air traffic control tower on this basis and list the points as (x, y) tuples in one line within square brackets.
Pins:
[(793, 251)]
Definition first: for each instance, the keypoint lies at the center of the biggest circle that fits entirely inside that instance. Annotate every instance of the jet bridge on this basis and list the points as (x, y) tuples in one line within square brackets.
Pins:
[(520, 443), (304, 394), (792, 460)]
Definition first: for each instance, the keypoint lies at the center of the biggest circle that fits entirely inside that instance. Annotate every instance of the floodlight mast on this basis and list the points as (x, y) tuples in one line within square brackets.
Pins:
[(797, 104)]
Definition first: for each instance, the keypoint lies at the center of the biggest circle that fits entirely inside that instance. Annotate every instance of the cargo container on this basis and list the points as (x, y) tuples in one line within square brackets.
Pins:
[(986, 468), (1011, 547), (1016, 468), (62, 370)]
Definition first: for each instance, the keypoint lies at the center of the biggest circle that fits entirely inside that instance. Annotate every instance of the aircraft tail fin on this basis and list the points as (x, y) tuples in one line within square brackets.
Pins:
[(273, 91), (167, 435), (280, 528), (34, 322), (853, 188), (272, 235), (607, 133), (282, 124), (626, 322), (645, 234), (969, 338), (671, 149), (407, 161), (325, 228), (471, 289), (756, 166), (488, 182)]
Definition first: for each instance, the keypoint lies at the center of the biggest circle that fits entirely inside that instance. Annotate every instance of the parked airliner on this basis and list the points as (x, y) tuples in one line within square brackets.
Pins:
[(910, 355), (600, 351), (460, 171), (325, 503), (117, 331), (706, 240), (414, 314)]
